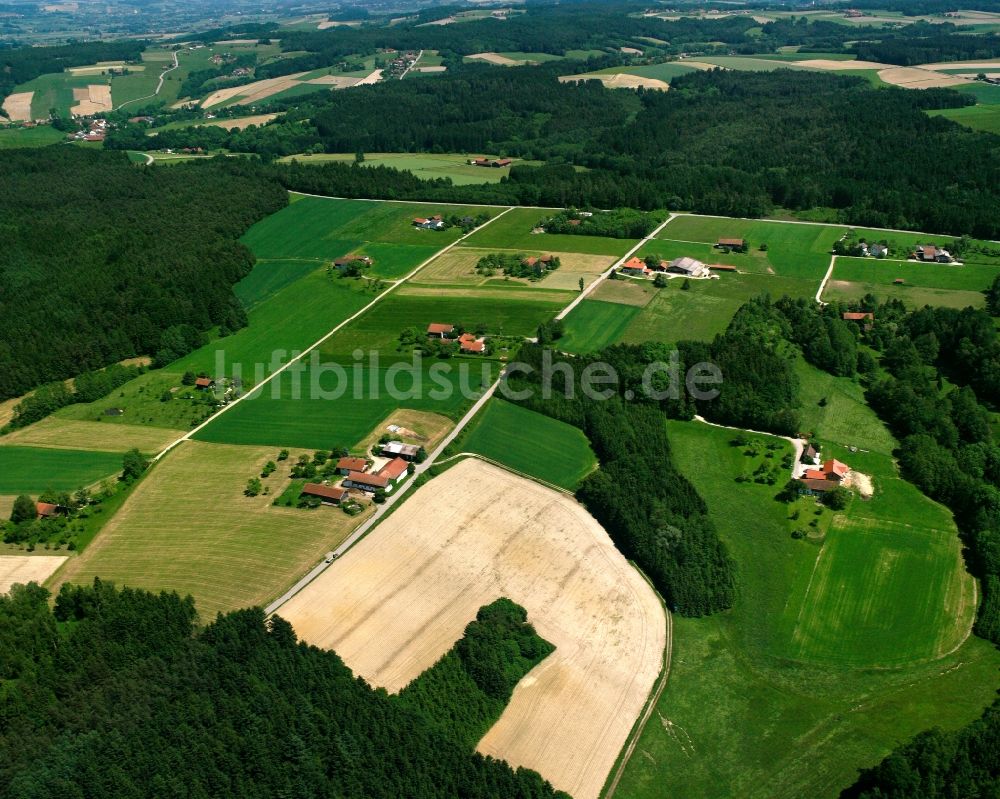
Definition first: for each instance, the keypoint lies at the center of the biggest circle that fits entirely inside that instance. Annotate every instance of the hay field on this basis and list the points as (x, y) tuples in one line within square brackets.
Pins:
[(32, 470), (240, 123), (458, 267), (55, 431), (92, 99), (252, 92), (395, 603), (18, 106), (620, 80), (25, 569), (917, 78), (187, 527), (497, 59)]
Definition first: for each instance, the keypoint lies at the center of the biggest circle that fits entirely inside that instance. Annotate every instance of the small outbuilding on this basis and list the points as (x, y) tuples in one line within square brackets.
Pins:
[(328, 495)]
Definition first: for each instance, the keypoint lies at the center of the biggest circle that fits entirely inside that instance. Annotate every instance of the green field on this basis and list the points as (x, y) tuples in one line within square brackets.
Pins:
[(55, 92), (29, 137), (745, 63), (31, 470), (925, 284), (513, 231), (268, 278), (529, 442), (805, 680), (985, 93), (594, 324), (424, 165), (331, 407), (977, 117)]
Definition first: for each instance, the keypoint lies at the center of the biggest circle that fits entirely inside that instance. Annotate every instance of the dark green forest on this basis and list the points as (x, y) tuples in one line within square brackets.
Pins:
[(103, 261), (934, 45), (120, 693)]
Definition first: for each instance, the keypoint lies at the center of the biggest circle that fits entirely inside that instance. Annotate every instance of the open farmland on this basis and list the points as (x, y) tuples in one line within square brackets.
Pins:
[(396, 602), (24, 569), (29, 137), (18, 106), (596, 324), (513, 232), (753, 711), (188, 527), (923, 284), (977, 117), (59, 431), (618, 80), (530, 443), (31, 470), (424, 165)]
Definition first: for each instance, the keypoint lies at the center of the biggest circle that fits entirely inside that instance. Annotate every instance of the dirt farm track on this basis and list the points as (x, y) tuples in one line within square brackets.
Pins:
[(398, 600)]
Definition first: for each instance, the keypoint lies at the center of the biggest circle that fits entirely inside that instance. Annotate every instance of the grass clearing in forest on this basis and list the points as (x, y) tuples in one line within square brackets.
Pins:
[(529, 442), (187, 527)]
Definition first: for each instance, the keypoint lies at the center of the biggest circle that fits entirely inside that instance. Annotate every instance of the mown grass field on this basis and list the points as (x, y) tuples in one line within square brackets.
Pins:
[(424, 165), (513, 232), (30, 470), (60, 432), (268, 278), (924, 284), (595, 324), (977, 117), (333, 407), (40, 136), (188, 528), (529, 442), (751, 710)]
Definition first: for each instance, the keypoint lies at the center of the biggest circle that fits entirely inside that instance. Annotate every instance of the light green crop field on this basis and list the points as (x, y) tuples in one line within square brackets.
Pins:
[(530, 442), (793, 250), (707, 307), (187, 527), (595, 324), (924, 284), (31, 470), (379, 328), (40, 136), (335, 406), (985, 93), (977, 117), (746, 63), (665, 72), (750, 710), (268, 278), (424, 165), (513, 231)]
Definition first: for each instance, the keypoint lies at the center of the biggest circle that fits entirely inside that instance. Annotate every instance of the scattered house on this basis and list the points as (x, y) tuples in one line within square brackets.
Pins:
[(433, 223), (329, 495), (811, 486), (394, 470), (46, 510), (439, 330), (814, 474), (688, 266), (635, 267), (397, 449), (835, 470), (496, 162), (731, 243), (932, 254), (858, 316), (470, 344), (722, 268), (348, 465), (878, 250), (204, 383), (366, 482), (346, 260), (898, 281), (810, 455)]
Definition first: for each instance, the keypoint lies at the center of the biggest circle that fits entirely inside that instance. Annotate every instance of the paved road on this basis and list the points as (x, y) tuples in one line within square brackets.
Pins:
[(583, 294), (159, 85), (415, 60)]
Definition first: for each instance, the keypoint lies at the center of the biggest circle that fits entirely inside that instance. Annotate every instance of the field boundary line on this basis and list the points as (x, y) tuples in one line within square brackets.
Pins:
[(625, 756), (255, 389), (510, 469), (603, 276)]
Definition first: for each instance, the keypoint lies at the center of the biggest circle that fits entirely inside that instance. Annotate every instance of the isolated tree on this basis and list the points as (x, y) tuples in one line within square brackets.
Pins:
[(23, 510), (582, 284), (660, 281), (133, 465), (253, 487), (837, 499), (686, 285), (188, 379)]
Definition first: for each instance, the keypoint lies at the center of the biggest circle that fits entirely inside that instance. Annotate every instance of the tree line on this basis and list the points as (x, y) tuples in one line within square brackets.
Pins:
[(104, 261), (121, 693)]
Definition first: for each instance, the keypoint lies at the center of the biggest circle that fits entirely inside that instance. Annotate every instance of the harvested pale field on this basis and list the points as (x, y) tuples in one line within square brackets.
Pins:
[(499, 60), (25, 569), (914, 78), (92, 99), (252, 92), (335, 81), (396, 602), (370, 78), (104, 436), (241, 123), (187, 527), (825, 63), (328, 23), (631, 50), (18, 106), (963, 65), (699, 64), (619, 80)]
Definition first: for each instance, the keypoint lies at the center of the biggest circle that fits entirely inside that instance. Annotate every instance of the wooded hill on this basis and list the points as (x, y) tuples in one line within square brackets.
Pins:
[(103, 261), (119, 693)]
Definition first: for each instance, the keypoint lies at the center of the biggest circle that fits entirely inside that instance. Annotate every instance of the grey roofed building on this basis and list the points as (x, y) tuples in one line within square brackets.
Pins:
[(688, 266), (398, 449)]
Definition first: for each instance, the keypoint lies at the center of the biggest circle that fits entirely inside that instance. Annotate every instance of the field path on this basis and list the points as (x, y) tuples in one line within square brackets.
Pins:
[(415, 61), (159, 85), (798, 444), (825, 280)]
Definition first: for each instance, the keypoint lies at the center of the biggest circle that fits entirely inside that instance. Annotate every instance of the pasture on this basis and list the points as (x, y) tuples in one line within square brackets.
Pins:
[(24, 569), (924, 284), (396, 602), (751, 710), (595, 324), (40, 136), (187, 527), (428, 166), (977, 117), (31, 470), (335, 405), (529, 442), (513, 232)]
